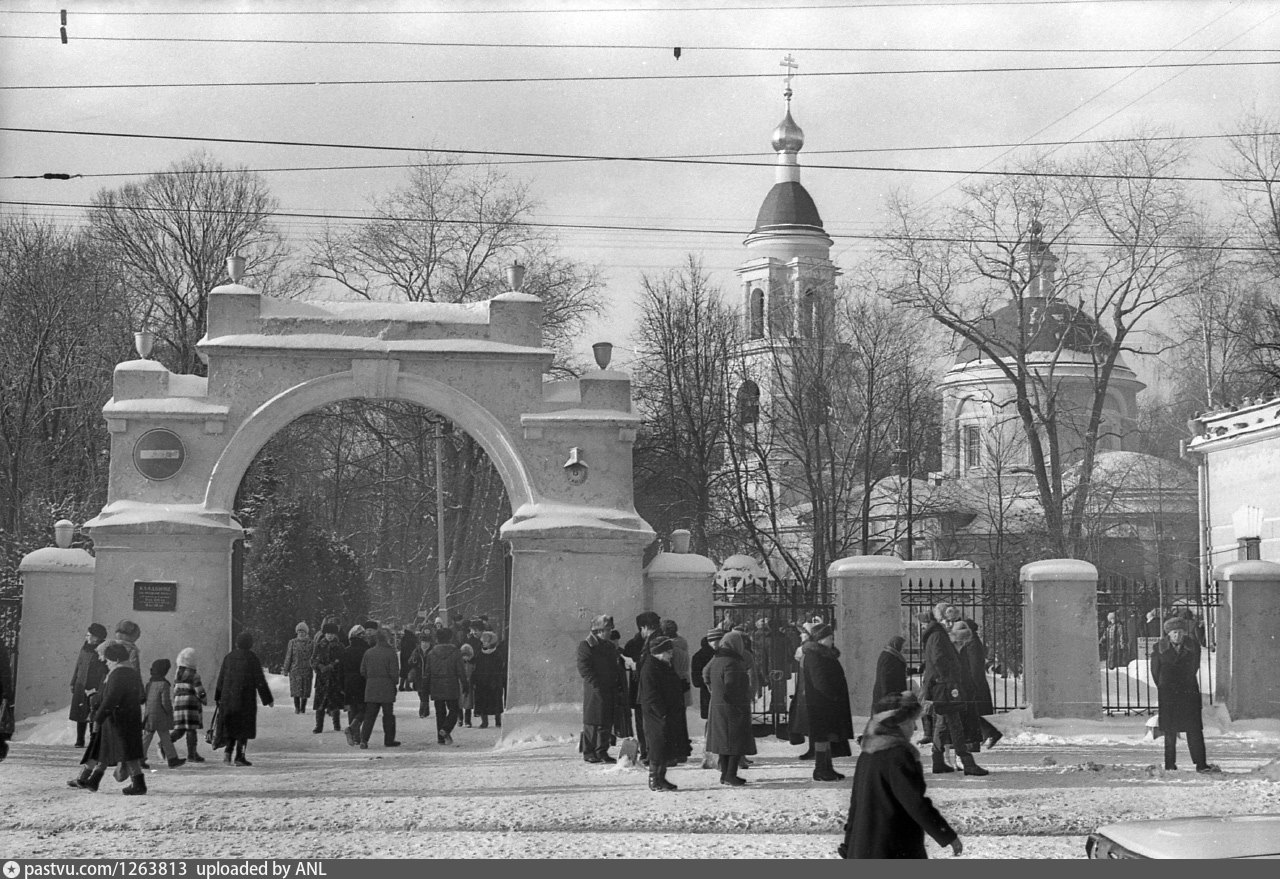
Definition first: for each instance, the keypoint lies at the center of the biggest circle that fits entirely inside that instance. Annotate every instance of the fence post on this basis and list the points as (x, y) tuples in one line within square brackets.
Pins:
[(868, 610), (57, 607), (1060, 631), (1249, 649)]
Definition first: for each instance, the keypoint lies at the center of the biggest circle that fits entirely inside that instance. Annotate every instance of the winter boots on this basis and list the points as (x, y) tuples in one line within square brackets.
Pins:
[(319, 721), (823, 770), (337, 724), (89, 779), (175, 762), (136, 788), (658, 779), (940, 764), (729, 771), (241, 760)]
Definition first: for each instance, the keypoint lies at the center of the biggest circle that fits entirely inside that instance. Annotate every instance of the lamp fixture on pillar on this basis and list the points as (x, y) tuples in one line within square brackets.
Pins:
[(515, 277), (142, 342), (603, 352), (1246, 522), (235, 268)]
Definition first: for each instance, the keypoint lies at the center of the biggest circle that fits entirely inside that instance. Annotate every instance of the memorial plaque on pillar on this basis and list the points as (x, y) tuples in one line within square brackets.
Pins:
[(155, 595), (158, 454)]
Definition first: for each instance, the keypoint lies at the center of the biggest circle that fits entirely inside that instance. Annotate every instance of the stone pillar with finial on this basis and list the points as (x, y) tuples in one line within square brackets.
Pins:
[(57, 607)]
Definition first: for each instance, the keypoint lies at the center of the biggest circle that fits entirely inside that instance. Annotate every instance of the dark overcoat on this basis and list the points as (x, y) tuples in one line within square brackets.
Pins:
[(241, 683), (408, 644), (697, 663), (889, 813), (798, 720), (637, 650), (891, 675), (488, 680), (973, 657), (729, 713), (943, 682), (89, 673), (350, 683), (666, 731), (119, 716), (326, 662), (601, 671), (827, 699), (380, 667), (1174, 673), (444, 672)]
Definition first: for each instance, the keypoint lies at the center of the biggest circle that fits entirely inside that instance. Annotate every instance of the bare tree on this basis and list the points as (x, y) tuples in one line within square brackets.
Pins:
[(980, 270), (680, 379), (448, 235)]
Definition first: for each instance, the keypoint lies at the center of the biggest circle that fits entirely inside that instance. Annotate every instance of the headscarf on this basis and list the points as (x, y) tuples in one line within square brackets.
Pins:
[(734, 641)]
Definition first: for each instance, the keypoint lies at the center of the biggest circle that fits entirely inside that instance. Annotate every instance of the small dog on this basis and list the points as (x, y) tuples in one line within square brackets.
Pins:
[(629, 753)]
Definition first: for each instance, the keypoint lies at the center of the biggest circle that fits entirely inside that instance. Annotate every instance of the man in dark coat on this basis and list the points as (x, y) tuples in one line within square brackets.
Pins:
[(601, 673), (351, 691), (119, 722), (648, 624), (241, 683), (729, 714), (889, 813), (326, 662), (1175, 661), (408, 643), (380, 668), (944, 687), (86, 678), (827, 702), (697, 663), (662, 707), (447, 682)]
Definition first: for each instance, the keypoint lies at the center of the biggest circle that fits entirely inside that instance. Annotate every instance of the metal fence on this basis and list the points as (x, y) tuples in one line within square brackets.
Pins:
[(995, 610), (1131, 617), (10, 619), (773, 613)]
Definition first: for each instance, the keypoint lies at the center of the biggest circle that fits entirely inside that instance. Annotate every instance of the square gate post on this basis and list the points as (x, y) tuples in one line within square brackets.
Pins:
[(1249, 648), (868, 600), (1060, 628)]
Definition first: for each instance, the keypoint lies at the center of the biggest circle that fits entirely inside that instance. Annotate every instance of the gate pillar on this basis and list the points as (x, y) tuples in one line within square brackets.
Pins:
[(868, 611), (1060, 631), (57, 607), (1247, 644), (561, 579), (678, 585)]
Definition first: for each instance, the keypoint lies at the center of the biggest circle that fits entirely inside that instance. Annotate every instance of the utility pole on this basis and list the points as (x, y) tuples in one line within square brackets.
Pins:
[(442, 564)]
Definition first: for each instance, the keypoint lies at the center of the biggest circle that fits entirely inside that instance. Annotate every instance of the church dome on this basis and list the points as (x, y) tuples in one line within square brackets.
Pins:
[(788, 204), (788, 136), (1037, 327)]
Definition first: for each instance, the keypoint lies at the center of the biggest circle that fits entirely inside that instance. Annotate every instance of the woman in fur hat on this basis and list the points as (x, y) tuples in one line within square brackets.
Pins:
[(488, 679), (127, 633), (297, 667), (827, 695), (1175, 661), (241, 683), (87, 677), (729, 714), (326, 662), (889, 813), (891, 670), (119, 718), (189, 697)]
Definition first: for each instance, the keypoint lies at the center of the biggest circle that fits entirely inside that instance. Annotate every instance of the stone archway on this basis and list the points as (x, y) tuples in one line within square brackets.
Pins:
[(181, 444)]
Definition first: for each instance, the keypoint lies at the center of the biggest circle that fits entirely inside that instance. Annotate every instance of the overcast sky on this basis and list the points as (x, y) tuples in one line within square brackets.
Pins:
[(630, 98)]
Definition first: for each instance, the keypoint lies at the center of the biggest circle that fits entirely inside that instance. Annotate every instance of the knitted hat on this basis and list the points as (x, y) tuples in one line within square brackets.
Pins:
[(98, 630), (714, 635), (661, 644), (820, 631), (187, 657), (1175, 623), (302, 629)]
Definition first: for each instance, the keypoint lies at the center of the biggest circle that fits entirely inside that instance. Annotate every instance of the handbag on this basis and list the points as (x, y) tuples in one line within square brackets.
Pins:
[(216, 734)]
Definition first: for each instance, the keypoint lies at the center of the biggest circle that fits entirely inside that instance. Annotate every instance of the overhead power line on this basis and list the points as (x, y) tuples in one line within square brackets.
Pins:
[(606, 158), (599, 227), (692, 156), (637, 77), (645, 47), (892, 4)]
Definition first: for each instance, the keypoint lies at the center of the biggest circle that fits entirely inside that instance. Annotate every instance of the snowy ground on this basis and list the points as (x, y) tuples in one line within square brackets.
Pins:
[(309, 796)]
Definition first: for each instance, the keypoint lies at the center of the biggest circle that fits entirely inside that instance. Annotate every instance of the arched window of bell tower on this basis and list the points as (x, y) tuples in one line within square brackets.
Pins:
[(755, 329), (808, 310), (748, 399)]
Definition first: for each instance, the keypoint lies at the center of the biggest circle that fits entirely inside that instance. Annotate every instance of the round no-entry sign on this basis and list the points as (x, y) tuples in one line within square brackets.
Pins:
[(158, 454)]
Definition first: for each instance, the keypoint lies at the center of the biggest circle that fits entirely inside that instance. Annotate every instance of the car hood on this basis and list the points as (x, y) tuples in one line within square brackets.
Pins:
[(1231, 836)]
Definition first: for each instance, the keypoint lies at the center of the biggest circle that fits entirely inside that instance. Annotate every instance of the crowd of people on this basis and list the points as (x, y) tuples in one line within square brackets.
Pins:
[(117, 716)]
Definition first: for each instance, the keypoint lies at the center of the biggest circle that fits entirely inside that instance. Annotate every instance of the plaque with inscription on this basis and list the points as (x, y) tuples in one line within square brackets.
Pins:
[(155, 595)]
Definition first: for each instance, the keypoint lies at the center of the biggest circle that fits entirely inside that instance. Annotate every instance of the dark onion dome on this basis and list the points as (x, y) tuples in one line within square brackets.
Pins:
[(788, 205), (1045, 327)]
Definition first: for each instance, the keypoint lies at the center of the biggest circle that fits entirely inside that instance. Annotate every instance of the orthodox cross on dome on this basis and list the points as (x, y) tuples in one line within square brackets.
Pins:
[(792, 66)]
